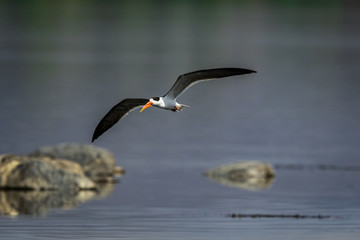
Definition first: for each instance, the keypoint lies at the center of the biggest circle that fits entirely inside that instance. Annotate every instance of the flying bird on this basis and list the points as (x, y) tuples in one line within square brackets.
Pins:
[(168, 101)]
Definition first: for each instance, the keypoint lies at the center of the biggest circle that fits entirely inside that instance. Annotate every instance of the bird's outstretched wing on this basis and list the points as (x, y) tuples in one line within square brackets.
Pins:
[(116, 113), (188, 79)]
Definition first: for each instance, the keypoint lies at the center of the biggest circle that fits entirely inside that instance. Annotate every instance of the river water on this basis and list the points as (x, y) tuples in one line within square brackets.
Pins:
[(64, 65)]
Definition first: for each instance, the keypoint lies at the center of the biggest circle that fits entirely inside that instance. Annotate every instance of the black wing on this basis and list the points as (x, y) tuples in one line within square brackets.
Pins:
[(116, 113), (188, 79)]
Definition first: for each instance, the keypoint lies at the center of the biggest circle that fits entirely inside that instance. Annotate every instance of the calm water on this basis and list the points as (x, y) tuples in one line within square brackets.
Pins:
[(63, 66)]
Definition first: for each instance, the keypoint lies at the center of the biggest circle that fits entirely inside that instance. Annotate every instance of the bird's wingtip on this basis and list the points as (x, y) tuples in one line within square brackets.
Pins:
[(246, 71)]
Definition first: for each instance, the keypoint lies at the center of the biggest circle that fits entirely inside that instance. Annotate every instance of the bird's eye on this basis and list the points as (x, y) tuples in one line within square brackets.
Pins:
[(156, 98)]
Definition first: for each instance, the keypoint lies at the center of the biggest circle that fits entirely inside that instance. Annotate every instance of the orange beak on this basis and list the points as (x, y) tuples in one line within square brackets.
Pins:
[(147, 105)]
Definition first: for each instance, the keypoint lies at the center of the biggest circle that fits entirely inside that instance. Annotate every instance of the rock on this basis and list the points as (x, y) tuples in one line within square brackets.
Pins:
[(251, 175), (42, 173), (97, 163), (56, 173), (118, 171)]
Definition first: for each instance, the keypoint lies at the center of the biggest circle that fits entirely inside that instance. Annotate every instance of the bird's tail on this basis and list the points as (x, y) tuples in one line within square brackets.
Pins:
[(183, 105)]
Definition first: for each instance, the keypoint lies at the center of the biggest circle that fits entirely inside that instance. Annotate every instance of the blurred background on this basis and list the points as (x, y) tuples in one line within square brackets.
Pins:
[(64, 64)]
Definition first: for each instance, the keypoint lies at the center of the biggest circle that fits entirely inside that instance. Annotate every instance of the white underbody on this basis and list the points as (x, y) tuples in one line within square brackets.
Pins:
[(167, 104)]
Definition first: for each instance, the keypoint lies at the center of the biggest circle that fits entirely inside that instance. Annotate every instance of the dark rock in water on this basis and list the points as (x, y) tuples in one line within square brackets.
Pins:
[(251, 175), (42, 173), (35, 185), (55, 175), (97, 163)]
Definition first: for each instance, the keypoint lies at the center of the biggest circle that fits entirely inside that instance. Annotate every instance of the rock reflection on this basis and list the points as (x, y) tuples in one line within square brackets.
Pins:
[(39, 203), (251, 175)]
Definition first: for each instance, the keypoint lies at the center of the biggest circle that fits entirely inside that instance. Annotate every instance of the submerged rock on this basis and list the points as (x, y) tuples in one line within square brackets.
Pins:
[(42, 173), (97, 163), (251, 175)]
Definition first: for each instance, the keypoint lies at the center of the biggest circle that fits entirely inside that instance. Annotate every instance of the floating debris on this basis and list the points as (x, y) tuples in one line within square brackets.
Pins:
[(294, 216), (323, 167)]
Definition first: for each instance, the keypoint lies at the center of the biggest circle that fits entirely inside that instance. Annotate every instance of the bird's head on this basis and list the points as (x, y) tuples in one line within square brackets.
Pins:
[(156, 101)]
